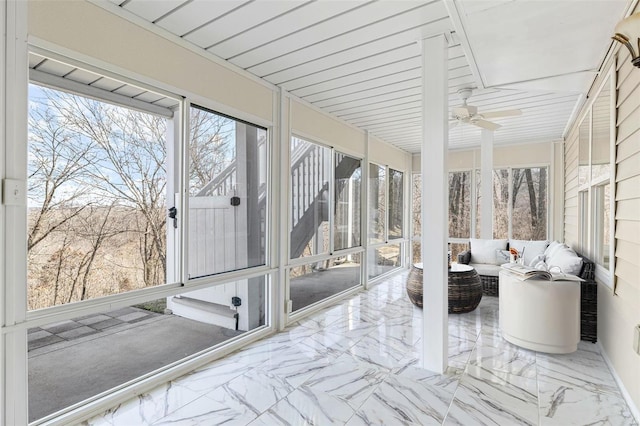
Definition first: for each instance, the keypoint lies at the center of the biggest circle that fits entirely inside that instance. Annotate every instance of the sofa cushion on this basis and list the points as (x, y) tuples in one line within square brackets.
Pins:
[(486, 270), (564, 260), (484, 251), (531, 249)]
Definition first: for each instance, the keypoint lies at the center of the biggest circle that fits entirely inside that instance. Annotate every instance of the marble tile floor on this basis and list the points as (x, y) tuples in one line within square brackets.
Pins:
[(356, 363)]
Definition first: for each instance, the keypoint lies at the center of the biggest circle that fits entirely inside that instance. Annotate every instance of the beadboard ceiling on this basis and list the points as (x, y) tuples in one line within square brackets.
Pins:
[(359, 60)]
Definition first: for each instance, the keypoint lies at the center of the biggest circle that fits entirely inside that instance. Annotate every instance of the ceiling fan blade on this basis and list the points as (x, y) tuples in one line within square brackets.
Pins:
[(486, 124), (505, 113)]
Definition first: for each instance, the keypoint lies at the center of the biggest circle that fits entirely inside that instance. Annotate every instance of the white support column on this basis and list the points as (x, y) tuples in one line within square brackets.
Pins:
[(364, 213), (282, 211), (486, 184), (435, 133), (13, 134)]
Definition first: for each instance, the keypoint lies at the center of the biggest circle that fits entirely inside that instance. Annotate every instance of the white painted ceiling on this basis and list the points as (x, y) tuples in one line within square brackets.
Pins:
[(359, 60)]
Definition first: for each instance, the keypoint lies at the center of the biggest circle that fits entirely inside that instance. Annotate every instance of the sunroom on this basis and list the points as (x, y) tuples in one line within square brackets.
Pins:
[(211, 208)]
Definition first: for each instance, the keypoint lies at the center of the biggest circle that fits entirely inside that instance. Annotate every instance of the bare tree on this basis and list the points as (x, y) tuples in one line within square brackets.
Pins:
[(209, 147), (130, 168), (96, 172), (58, 165)]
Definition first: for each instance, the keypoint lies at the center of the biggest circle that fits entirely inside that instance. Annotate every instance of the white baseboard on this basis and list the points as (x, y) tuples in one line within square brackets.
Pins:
[(634, 410)]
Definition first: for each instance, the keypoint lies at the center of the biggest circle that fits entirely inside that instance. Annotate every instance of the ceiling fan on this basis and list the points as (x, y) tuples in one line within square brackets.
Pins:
[(468, 114)]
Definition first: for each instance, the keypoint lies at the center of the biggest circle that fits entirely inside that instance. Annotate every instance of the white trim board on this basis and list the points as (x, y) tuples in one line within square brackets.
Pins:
[(625, 394)]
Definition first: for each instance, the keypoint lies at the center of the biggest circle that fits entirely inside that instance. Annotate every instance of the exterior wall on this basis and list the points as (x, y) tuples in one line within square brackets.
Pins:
[(619, 311)]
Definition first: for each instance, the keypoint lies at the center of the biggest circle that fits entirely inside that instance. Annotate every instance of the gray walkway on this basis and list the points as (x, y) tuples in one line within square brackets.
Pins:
[(76, 360)]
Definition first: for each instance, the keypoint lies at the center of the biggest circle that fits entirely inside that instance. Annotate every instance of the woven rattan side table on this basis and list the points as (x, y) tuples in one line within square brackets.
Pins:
[(465, 289)]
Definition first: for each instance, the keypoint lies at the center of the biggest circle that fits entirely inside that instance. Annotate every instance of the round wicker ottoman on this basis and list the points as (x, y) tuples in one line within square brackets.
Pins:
[(465, 289), (414, 284)]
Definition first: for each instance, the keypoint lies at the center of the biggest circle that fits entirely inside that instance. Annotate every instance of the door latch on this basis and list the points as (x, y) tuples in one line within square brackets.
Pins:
[(235, 201), (173, 214)]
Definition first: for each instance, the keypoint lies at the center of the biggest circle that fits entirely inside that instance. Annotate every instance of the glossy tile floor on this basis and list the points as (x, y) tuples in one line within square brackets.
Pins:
[(356, 364)]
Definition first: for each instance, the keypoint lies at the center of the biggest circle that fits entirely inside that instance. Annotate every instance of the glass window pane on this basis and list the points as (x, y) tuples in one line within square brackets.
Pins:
[(583, 151), (529, 215), (583, 205), (601, 138), (377, 203), (460, 204), (77, 359), (384, 259), (416, 206), (602, 226), (478, 203), (310, 174), (417, 252), (312, 283), (500, 203), (348, 179), (96, 190), (227, 194), (396, 204), (456, 249)]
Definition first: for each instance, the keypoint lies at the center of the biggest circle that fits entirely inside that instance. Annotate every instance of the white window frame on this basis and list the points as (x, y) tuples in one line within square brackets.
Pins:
[(292, 316), (403, 241), (587, 219), (17, 319)]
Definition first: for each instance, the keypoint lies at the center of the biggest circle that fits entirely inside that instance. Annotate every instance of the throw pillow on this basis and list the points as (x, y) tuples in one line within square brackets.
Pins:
[(565, 260), (529, 250), (553, 247), (502, 256), (484, 251)]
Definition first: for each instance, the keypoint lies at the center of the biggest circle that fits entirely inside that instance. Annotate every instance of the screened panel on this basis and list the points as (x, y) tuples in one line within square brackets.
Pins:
[(77, 359), (583, 151), (396, 204), (227, 194), (500, 203), (529, 215), (377, 203), (460, 204), (310, 174), (384, 259), (96, 198), (348, 184), (416, 206), (601, 134), (314, 282), (602, 226), (478, 203)]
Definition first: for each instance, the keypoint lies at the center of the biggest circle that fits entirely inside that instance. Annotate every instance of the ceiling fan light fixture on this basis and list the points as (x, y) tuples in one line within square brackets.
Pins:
[(627, 32)]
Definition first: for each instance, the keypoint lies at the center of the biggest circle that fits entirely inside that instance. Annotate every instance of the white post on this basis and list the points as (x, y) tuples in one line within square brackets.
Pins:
[(486, 184), (364, 214), (13, 266), (435, 133), (282, 212)]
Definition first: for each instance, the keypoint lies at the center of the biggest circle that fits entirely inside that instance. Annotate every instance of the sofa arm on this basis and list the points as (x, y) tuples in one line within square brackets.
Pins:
[(464, 257), (588, 271)]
